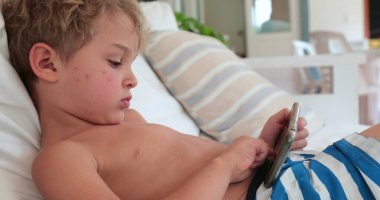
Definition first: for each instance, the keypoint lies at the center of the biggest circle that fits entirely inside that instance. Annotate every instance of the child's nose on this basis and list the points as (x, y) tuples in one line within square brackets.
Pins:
[(130, 81)]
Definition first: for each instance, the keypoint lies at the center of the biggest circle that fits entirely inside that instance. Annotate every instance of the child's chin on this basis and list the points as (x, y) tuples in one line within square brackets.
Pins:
[(111, 120), (115, 121)]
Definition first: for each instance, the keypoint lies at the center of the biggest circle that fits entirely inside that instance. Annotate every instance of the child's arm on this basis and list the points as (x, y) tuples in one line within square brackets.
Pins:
[(69, 171), (276, 123), (233, 165)]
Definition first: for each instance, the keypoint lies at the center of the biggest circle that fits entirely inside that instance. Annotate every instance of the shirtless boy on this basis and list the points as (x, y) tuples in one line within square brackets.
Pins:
[(75, 59)]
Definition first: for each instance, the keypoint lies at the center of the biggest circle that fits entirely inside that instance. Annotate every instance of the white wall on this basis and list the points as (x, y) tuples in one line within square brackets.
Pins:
[(227, 17), (345, 16)]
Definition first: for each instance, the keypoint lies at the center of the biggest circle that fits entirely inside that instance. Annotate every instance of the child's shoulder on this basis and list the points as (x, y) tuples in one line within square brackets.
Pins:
[(62, 159), (62, 152)]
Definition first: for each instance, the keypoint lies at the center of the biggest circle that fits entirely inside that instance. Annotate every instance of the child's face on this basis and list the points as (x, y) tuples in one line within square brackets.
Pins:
[(96, 80)]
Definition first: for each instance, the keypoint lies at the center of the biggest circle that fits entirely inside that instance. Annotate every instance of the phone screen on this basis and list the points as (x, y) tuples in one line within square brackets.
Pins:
[(282, 146)]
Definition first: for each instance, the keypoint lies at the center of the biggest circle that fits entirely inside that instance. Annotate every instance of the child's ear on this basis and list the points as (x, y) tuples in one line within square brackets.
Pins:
[(43, 61)]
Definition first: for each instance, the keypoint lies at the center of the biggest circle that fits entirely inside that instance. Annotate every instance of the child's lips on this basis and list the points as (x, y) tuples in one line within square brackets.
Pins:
[(125, 103)]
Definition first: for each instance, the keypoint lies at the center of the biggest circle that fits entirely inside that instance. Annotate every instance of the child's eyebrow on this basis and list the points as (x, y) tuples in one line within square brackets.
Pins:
[(125, 49), (122, 47)]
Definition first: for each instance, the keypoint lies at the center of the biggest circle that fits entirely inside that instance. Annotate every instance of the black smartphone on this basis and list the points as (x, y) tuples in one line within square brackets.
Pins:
[(282, 146)]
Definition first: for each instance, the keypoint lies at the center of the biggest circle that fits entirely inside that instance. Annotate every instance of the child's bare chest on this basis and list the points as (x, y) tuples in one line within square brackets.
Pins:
[(149, 162)]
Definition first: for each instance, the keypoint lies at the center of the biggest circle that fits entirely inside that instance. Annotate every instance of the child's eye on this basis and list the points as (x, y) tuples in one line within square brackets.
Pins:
[(114, 64)]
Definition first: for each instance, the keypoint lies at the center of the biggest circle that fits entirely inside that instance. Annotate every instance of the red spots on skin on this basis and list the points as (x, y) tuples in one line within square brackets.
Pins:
[(87, 76), (108, 79), (137, 154), (77, 80)]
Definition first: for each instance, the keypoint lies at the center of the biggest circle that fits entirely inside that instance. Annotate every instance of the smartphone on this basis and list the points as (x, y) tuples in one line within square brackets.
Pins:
[(282, 146)]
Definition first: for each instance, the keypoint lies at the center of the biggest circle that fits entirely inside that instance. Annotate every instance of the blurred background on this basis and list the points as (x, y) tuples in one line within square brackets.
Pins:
[(270, 28)]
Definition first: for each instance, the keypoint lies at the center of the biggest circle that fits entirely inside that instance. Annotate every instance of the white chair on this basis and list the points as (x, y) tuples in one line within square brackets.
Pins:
[(315, 79), (329, 42), (303, 48)]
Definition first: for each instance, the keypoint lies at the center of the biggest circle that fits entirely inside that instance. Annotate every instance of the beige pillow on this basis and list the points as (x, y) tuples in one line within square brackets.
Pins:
[(219, 91)]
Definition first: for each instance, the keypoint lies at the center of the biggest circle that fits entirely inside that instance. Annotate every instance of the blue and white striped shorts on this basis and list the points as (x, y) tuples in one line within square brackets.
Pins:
[(348, 169)]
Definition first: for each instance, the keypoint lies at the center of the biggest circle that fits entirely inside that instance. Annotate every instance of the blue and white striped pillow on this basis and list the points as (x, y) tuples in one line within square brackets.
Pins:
[(223, 95)]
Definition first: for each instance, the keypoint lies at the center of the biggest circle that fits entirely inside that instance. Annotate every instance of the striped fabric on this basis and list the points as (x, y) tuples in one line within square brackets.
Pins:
[(224, 96), (348, 169)]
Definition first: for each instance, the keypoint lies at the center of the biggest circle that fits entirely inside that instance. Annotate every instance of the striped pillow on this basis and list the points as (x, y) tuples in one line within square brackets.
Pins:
[(220, 92)]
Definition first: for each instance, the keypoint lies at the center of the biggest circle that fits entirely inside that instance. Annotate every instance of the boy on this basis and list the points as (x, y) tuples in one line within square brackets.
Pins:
[(75, 60)]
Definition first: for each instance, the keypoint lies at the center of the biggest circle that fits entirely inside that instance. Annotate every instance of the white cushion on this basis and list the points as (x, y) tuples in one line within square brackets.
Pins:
[(19, 127), (159, 15), (5, 188), (331, 133), (150, 97), (154, 102)]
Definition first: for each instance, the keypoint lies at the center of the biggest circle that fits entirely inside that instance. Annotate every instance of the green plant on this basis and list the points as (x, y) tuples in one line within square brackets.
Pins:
[(193, 25)]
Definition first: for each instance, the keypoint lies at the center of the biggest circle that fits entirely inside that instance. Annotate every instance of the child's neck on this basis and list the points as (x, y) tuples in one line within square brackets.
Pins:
[(57, 125)]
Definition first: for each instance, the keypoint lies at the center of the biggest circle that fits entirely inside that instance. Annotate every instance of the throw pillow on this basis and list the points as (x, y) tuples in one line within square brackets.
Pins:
[(224, 96)]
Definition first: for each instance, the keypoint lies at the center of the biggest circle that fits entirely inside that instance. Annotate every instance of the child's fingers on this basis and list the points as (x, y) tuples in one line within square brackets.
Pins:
[(281, 116), (299, 144), (302, 134), (301, 123), (259, 160), (262, 153), (256, 164), (274, 126)]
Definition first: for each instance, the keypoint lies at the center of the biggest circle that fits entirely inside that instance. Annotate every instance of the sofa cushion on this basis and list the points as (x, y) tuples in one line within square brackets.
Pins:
[(224, 96)]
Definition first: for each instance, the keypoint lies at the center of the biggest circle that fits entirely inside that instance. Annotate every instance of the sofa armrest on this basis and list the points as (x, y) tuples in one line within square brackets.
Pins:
[(342, 105)]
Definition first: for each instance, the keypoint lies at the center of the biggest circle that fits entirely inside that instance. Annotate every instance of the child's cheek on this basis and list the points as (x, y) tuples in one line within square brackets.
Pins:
[(105, 89), (111, 83)]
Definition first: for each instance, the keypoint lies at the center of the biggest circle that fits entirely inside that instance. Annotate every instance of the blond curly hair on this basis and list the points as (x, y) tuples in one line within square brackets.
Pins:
[(65, 25)]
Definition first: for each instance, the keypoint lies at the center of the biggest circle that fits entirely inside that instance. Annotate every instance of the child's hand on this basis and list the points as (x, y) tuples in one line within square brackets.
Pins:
[(273, 127), (244, 154), (300, 141)]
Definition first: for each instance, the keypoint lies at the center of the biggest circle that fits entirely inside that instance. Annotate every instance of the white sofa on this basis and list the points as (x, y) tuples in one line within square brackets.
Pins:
[(19, 127), (344, 99)]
